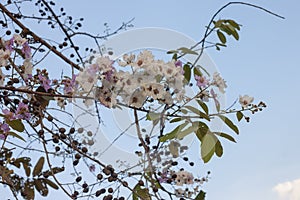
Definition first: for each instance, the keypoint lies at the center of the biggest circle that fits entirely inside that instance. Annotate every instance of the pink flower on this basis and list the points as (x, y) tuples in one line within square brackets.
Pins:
[(163, 177), (9, 115), (26, 50), (70, 85), (9, 44), (45, 82), (201, 81), (4, 128), (22, 112), (178, 63)]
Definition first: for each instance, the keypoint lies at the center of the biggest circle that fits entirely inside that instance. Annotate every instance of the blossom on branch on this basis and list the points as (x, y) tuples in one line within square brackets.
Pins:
[(219, 82), (45, 82), (245, 100), (22, 112), (4, 56)]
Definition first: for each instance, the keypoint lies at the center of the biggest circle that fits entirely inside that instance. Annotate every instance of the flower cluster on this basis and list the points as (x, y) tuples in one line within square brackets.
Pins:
[(148, 79), (21, 47), (4, 128), (184, 177), (22, 112)]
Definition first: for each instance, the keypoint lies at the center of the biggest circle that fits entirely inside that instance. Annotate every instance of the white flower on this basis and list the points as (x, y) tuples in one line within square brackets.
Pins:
[(219, 82), (144, 58), (104, 63), (19, 40), (127, 60), (138, 98), (245, 100), (60, 102), (179, 192), (4, 56), (86, 79), (184, 177)]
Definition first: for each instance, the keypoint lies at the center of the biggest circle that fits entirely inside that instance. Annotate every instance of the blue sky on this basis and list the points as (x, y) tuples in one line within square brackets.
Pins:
[(264, 63)]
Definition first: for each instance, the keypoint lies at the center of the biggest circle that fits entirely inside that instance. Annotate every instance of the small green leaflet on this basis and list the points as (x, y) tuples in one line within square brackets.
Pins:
[(187, 73), (187, 131), (176, 119), (221, 36), (173, 133), (201, 195), (239, 115), (153, 116), (198, 112), (16, 125), (234, 24), (208, 147), (203, 106), (229, 123), (16, 135), (185, 50), (139, 193), (219, 149), (225, 135)]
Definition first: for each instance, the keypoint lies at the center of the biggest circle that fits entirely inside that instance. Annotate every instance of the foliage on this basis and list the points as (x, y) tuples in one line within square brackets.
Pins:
[(36, 121)]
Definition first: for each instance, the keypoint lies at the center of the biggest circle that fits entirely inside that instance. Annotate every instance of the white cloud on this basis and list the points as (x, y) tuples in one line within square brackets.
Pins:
[(289, 190)]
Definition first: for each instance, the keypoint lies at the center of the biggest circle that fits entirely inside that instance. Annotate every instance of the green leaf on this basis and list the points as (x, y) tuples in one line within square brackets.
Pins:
[(140, 193), (198, 112), (239, 115), (218, 23), (197, 71), (226, 29), (173, 133), (184, 111), (202, 130), (229, 123), (235, 35), (16, 125), (187, 72), (203, 106), (38, 167), (219, 149), (51, 184), (15, 135), (221, 36), (208, 147), (20, 52), (225, 135), (172, 51), (199, 66), (153, 116), (174, 57), (185, 50), (187, 131), (200, 196), (176, 119), (234, 24)]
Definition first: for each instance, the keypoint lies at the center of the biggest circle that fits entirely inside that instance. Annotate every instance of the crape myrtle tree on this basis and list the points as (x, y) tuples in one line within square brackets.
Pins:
[(42, 147)]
